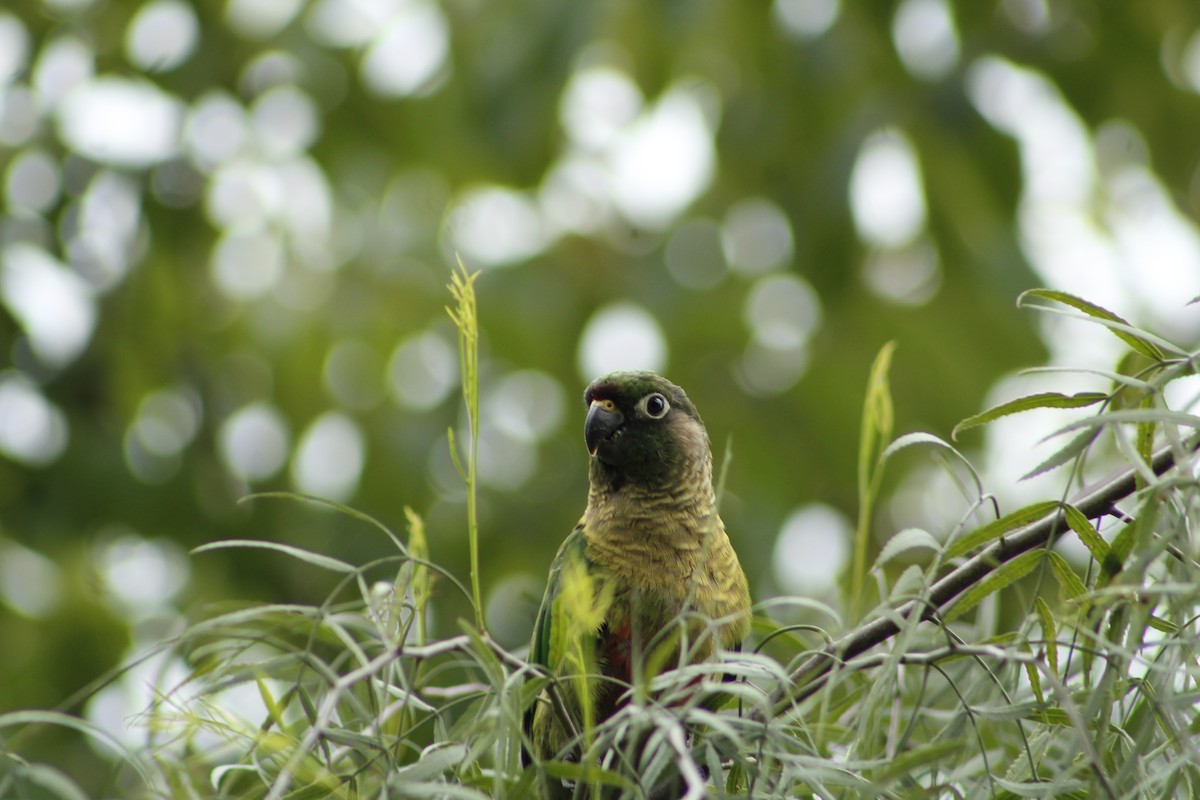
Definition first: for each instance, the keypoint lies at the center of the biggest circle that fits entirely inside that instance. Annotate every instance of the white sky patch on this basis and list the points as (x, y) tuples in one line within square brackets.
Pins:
[(32, 429), (1160, 249), (120, 121), (806, 19), (598, 103), (926, 38), (162, 35), (329, 457), (811, 549), (757, 237), (30, 583), (409, 53), (621, 336), (253, 441), (496, 226), (887, 198), (665, 159), (14, 47), (54, 305), (422, 371)]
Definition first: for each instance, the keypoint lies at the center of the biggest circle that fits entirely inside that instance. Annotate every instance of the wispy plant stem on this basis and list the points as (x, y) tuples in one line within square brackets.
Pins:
[(462, 288)]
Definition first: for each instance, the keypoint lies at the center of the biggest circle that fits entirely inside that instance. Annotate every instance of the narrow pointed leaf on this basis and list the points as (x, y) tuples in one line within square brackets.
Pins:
[(1026, 403), (905, 540), (1086, 532), (1067, 453), (1067, 579), (316, 559), (1006, 575), (994, 530), (1146, 348), (1049, 633)]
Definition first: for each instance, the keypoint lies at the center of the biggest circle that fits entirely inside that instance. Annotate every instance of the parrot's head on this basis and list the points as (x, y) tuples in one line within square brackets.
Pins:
[(641, 429)]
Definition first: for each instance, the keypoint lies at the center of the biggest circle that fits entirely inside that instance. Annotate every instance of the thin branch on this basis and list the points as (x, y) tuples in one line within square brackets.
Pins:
[(811, 674)]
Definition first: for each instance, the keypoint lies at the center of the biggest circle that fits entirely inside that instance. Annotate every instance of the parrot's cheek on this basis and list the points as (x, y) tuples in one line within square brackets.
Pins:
[(610, 451)]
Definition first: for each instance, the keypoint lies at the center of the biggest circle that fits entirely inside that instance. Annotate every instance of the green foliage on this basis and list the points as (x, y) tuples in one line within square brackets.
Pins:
[(1090, 694)]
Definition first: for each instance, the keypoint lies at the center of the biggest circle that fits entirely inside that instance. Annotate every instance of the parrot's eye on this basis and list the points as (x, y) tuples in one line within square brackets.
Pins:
[(655, 406)]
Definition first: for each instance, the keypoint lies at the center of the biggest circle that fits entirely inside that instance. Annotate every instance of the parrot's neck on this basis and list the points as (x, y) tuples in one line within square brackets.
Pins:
[(678, 514)]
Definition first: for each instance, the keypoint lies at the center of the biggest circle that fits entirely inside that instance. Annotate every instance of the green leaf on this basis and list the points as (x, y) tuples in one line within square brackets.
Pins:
[(309, 557), (994, 530), (1068, 452), (876, 428), (1086, 532), (905, 540), (1114, 560), (1006, 574), (1049, 633), (1141, 345), (1028, 402), (1067, 579)]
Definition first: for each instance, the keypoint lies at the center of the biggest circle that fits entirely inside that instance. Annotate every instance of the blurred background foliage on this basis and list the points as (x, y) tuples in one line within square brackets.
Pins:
[(228, 226)]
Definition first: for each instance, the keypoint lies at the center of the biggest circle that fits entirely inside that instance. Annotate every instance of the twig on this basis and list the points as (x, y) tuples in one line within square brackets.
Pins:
[(808, 678)]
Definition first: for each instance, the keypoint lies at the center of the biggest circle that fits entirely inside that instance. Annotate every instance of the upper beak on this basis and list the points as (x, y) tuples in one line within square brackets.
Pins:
[(600, 424)]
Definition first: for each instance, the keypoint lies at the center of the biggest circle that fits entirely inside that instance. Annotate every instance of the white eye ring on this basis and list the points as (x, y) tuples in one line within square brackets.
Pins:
[(654, 406)]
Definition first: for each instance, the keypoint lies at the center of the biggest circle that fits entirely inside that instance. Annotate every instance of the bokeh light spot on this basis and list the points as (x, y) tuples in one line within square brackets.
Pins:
[(260, 19), (887, 198), (926, 38), (32, 181), (782, 311), (422, 371), (910, 276), (53, 304), (248, 265), (253, 441), (621, 336), (409, 52), (597, 104), (215, 130), (161, 35), (30, 583), (353, 374), (757, 237), (14, 47), (811, 550), (807, 19), (63, 64), (665, 159), (120, 121), (142, 575), (329, 457), (32, 430), (694, 256), (526, 405), (495, 226), (285, 121)]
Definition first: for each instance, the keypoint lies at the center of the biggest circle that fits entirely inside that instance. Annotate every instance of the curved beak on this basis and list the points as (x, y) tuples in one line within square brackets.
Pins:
[(601, 423)]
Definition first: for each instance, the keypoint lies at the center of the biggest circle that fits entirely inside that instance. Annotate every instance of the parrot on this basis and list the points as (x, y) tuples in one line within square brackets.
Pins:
[(649, 546)]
